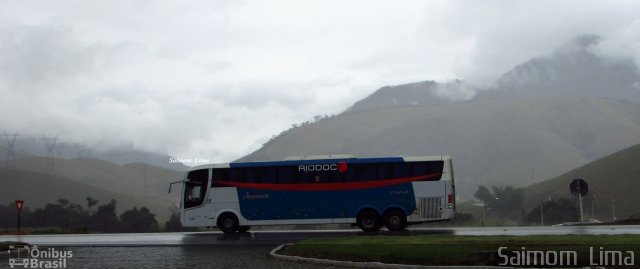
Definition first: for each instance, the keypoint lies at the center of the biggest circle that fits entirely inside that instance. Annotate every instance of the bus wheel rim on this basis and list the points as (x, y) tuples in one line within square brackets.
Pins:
[(394, 220), (368, 221)]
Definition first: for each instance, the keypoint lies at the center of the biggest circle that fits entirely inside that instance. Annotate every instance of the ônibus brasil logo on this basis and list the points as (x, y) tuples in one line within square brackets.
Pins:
[(32, 257), (340, 167)]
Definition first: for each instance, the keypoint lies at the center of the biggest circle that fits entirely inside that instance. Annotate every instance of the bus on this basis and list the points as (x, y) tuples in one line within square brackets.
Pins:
[(329, 189)]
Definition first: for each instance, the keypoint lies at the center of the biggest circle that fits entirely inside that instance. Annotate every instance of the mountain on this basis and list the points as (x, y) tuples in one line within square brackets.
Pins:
[(526, 129), (38, 189), (572, 69), (491, 142), (143, 182), (124, 157), (27, 147), (614, 177), (413, 94)]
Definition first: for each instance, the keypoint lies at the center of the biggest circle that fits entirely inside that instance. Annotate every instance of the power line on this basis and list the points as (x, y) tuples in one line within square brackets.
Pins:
[(81, 150), (11, 152), (50, 144)]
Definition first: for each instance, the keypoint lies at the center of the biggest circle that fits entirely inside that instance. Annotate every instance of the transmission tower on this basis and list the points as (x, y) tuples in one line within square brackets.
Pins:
[(11, 152), (50, 143), (81, 150)]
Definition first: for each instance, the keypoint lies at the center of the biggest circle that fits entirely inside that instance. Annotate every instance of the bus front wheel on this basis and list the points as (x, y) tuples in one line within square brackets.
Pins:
[(395, 220), (228, 223), (368, 221)]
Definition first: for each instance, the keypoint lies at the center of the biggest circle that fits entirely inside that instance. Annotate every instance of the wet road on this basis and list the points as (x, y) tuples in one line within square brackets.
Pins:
[(273, 238), (196, 257), (215, 250)]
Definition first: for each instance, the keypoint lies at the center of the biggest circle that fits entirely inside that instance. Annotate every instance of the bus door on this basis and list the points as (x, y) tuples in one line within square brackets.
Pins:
[(196, 203)]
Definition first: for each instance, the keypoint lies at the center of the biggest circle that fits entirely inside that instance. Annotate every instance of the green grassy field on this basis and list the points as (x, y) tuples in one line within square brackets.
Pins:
[(457, 250)]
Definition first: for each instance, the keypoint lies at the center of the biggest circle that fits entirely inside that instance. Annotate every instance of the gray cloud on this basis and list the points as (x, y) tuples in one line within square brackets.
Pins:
[(34, 55), (218, 77)]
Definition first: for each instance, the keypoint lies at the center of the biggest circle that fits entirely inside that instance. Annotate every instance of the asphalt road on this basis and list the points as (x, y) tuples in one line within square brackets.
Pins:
[(272, 238)]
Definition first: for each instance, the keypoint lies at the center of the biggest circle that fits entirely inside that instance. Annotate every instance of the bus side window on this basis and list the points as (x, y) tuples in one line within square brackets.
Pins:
[(351, 174), (367, 172), (194, 193), (285, 175), (436, 167), (427, 168), (237, 175), (325, 176), (384, 171), (268, 175), (220, 174), (419, 169), (401, 170), (336, 176), (253, 174), (304, 177)]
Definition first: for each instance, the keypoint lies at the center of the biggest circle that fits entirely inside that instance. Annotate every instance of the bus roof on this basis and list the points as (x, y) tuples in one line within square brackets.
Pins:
[(316, 160)]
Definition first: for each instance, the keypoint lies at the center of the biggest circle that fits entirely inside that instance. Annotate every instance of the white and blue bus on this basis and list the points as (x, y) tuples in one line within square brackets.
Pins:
[(368, 192)]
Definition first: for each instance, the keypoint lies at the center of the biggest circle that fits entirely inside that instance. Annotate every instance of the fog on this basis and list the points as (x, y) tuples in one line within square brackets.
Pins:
[(216, 79)]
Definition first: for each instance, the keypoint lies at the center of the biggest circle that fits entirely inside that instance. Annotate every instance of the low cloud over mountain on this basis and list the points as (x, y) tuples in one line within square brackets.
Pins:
[(542, 118)]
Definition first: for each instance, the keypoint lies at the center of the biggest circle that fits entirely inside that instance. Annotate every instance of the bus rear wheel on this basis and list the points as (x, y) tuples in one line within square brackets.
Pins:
[(395, 220), (228, 223), (368, 221)]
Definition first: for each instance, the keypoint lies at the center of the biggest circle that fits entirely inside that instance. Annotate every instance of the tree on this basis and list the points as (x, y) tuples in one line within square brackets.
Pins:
[(105, 218), (503, 202), (91, 202), (137, 221), (508, 202), (73, 217), (173, 224), (554, 212), (63, 202), (52, 215), (8, 216), (483, 194)]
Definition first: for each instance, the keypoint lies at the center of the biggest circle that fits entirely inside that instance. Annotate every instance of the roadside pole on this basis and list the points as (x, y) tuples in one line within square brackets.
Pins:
[(19, 204)]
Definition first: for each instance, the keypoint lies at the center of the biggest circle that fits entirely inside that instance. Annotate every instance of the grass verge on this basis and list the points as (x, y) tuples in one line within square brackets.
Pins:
[(463, 250)]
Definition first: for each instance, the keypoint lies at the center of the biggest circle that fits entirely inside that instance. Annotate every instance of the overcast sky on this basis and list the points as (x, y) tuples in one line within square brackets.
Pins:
[(216, 79)]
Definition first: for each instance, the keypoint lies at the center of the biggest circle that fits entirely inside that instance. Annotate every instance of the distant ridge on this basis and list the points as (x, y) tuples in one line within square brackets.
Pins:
[(27, 147), (543, 118), (413, 94), (614, 177), (144, 183), (38, 189), (573, 69)]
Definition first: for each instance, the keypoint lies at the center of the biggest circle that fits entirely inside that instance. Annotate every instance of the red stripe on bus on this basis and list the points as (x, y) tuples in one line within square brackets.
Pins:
[(327, 186)]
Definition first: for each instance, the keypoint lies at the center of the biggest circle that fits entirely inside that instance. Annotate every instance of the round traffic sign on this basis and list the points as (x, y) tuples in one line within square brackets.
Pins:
[(579, 186)]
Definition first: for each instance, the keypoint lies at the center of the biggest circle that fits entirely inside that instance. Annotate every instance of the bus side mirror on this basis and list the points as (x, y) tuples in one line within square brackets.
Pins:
[(176, 182)]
